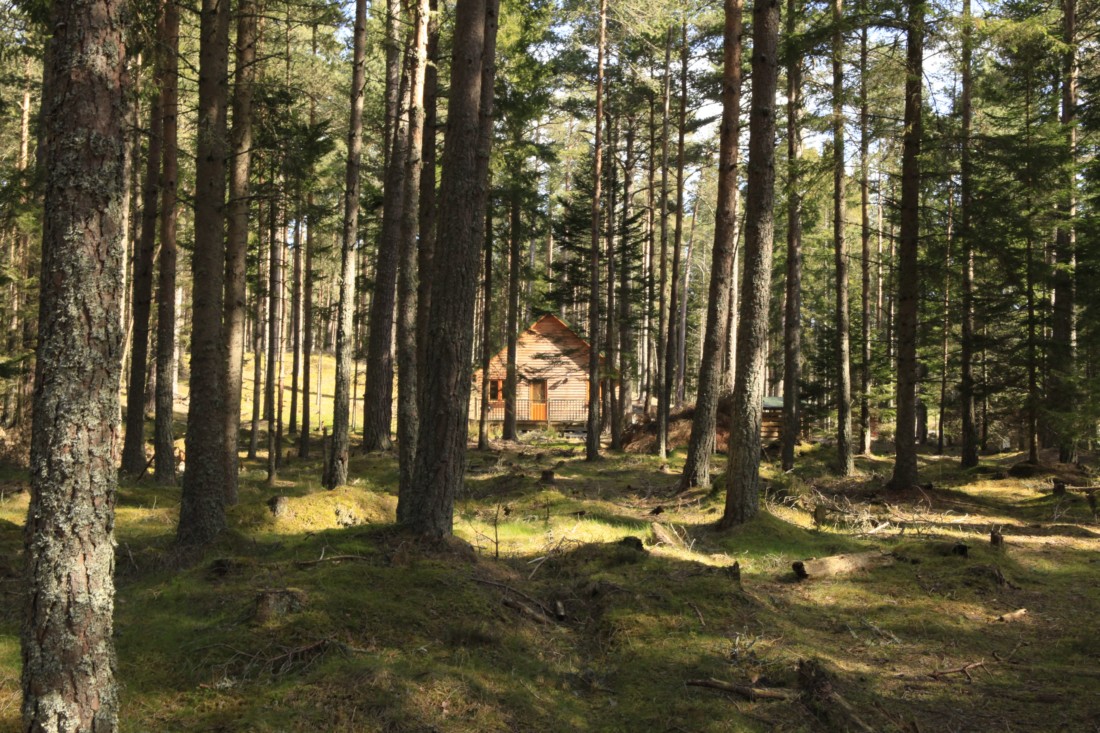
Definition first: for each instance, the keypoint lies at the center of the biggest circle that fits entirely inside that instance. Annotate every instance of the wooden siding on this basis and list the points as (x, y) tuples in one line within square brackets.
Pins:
[(546, 350)]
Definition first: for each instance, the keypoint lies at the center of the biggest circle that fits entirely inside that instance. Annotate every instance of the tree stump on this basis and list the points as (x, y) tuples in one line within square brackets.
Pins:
[(279, 506)]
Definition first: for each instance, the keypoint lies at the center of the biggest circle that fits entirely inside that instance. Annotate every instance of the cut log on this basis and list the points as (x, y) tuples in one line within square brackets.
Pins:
[(827, 567), (746, 691)]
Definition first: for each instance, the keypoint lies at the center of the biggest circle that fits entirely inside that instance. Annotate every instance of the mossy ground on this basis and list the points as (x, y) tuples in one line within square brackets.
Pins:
[(393, 634)]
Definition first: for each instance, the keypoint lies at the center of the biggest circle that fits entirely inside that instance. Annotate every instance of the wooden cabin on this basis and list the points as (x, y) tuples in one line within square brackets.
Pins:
[(552, 377)]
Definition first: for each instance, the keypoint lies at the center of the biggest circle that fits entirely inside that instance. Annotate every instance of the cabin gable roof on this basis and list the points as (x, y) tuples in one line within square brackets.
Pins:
[(546, 348)]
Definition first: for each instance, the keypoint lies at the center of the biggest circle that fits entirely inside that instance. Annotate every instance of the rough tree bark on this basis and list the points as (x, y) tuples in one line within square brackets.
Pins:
[(908, 286), (407, 365), (428, 508), (742, 473), (67, 649), (701, 445), (336, 470)]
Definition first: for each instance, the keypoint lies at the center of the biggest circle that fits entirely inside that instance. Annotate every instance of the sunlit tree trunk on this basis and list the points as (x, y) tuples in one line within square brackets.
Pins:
[(428, 507), (407, 363), (236, 240), (336, 471), (701, 444), (742, 473), (68, 656)]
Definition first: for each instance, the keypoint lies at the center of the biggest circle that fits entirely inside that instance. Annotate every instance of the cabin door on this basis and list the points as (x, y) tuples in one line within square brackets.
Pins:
[(538, 400)]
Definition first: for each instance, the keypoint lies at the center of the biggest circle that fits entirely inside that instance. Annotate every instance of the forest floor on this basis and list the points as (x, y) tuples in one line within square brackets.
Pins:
[(539, 618)]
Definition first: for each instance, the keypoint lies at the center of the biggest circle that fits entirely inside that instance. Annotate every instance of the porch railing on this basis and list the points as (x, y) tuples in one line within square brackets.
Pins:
[(552, 411)]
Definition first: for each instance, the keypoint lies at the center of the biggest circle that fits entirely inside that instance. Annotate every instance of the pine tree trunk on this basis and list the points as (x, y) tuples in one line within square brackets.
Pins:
[(627, 359), (511, 378), (202, 501), (865, 241), (969, 451), (133, 449), (742, 473), (274, 329), (307, 336), (164, 456), (407, 351), (336, 472), (426, 249), (378, 393), (296, 319), (702, 442), (307, 295), (592, 428), (236, 240), (445, 391), (908, 285), (1063, 351), (259, 330), (792, 311), (486, 332), (840, 249), (671, 345), (662, 323), (68, 673), (614, 415)]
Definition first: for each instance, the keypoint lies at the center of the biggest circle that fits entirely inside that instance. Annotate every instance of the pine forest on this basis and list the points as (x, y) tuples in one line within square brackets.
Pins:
[(487, 365)]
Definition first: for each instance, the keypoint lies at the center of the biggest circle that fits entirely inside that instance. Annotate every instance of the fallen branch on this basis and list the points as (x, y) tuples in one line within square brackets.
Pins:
[(746, 691), (521, 594), (330, 558), (965, 669)]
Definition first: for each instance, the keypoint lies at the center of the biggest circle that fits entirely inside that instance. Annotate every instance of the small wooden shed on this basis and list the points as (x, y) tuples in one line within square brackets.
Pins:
[(552, 377)]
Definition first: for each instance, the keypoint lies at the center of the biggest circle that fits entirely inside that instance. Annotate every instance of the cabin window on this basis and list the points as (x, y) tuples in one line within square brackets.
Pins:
[(496, 390)]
